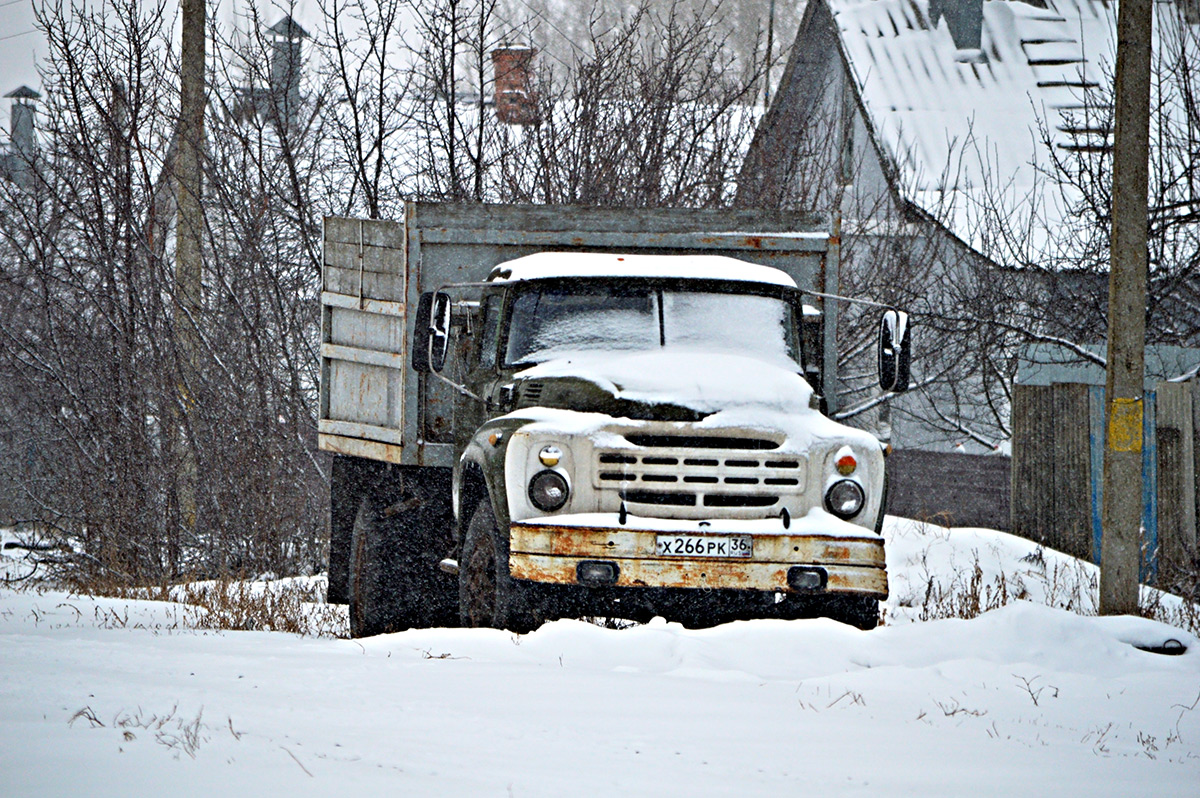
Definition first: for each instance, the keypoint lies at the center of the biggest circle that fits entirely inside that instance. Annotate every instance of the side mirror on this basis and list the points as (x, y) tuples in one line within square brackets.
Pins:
[(895, 351), (431, 340), (811, 327)]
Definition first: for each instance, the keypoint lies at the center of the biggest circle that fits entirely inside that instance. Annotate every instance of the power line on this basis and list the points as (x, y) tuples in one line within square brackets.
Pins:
[(15, 35), (555, 28), (13, 3)]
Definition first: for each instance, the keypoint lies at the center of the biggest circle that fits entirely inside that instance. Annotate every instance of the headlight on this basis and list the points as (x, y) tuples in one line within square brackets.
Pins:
[(548, 490), (844, 498)]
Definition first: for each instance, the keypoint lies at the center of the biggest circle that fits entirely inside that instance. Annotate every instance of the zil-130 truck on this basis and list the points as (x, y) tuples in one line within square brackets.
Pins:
[(546, 412)]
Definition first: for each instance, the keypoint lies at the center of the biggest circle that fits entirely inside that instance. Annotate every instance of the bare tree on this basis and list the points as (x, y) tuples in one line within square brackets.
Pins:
[(99, 380), (366, 67), (650, 114)]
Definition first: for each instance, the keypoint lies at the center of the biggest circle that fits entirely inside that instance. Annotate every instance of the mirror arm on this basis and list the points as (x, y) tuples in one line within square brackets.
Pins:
[(462, 389), (850, 299)]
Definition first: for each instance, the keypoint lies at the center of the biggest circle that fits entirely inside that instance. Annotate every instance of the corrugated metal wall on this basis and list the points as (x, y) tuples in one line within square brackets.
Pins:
[(1057, 471)]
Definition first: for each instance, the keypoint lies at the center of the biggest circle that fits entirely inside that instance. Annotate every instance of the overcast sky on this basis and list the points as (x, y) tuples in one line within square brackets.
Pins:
[(20, 46)]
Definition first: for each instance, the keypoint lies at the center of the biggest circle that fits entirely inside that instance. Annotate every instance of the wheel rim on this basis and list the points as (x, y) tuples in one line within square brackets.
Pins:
[(481, 585)]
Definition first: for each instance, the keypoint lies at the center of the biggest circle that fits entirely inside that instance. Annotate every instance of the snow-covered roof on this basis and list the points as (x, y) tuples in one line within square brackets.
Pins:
[(955, 121), (544, 265)]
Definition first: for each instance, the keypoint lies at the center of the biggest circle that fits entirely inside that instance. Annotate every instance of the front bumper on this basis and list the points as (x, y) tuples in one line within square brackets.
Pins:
[(544, 551)]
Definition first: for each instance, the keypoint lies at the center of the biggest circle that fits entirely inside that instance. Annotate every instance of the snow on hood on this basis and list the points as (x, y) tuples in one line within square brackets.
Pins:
[(734, 390), (704, 381)]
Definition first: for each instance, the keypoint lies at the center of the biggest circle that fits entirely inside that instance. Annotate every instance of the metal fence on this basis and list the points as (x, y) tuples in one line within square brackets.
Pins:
[(949, 488)]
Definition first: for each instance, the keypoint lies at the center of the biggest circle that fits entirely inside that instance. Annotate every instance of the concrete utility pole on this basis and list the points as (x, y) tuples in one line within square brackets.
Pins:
[(189, 228), (1120, 550)]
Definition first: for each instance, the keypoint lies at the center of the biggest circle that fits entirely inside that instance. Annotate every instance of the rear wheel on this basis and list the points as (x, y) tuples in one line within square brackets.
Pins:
[(488, 596), (399, 533), (345, 494)]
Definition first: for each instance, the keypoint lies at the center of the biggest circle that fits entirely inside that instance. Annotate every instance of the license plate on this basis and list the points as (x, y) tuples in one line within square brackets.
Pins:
[(704, 546)]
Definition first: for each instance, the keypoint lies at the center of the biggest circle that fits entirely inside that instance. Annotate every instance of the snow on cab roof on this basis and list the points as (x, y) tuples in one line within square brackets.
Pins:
[(545, 265)]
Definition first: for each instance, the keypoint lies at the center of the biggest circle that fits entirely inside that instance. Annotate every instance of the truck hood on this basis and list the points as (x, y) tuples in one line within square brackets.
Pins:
[(668, 384)]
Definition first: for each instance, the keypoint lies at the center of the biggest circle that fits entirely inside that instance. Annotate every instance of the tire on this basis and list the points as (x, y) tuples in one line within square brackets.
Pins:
[(345, 495), (488, 596), (399, 534), (713, 608), (861, 612)]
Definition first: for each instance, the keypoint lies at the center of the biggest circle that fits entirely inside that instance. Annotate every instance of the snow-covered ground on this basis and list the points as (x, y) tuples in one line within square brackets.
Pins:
[(119, 697)]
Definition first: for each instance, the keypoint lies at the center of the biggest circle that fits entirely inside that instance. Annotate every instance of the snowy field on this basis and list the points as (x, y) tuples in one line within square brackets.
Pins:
[(119, 697)]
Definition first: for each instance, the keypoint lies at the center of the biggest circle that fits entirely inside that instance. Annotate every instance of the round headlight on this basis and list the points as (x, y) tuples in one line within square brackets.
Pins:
[(844, 498), (548, 490)]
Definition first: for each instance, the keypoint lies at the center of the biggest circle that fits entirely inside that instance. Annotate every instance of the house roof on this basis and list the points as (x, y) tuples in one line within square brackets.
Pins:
[(959, 122)]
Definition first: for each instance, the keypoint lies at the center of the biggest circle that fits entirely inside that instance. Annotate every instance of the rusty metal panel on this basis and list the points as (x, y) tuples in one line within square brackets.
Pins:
[(363, 330), (357, 447), (624, 543), (711, 574), (364, 351), (364, 394), (362, 431), (374, 259), (371, 232)]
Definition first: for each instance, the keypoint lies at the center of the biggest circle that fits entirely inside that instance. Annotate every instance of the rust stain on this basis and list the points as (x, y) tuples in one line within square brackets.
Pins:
[(653, 572), (571, 541)]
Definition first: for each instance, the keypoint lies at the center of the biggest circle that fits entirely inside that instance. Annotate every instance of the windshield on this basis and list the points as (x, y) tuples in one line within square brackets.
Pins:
[(557, 321)]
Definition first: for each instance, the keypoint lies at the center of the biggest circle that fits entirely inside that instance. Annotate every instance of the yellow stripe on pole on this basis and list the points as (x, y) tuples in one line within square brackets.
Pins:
[(1125, 425)]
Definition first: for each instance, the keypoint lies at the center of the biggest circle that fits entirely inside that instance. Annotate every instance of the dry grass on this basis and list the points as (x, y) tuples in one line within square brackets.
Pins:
[(1044, 577), (295, 606)]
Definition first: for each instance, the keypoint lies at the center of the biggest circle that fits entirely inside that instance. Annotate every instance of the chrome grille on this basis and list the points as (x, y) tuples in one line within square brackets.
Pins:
[(700, 476)]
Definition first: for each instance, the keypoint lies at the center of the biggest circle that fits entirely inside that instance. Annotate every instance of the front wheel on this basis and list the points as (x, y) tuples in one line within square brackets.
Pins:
[(861, 612), (488, 596)]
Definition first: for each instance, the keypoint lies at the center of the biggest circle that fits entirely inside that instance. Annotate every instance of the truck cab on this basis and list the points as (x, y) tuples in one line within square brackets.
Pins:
[(635, 436)]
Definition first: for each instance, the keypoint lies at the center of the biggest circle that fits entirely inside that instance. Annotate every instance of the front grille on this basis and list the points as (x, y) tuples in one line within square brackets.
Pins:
[(667, 470)]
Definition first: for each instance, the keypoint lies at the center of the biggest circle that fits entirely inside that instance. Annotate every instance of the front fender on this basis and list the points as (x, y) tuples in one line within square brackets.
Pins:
[(481, 469)]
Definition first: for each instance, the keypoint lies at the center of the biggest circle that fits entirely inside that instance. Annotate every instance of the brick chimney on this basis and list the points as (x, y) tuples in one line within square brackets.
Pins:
[(516, 99)]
